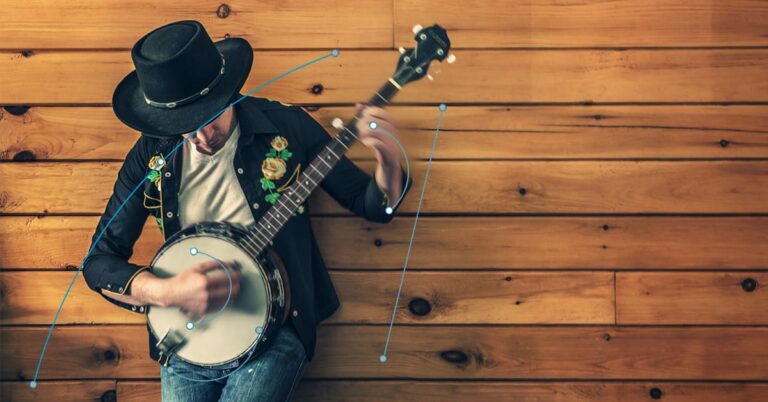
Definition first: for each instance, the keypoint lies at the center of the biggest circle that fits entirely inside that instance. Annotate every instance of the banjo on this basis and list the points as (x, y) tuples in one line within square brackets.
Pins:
[(246, 323)]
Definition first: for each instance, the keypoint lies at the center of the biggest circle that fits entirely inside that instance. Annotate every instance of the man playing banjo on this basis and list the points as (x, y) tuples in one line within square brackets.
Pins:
[(231, 170)]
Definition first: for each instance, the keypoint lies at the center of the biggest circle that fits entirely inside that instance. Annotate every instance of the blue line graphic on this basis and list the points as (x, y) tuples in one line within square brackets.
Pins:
[(383, 356), (390, 208), (33, 383)]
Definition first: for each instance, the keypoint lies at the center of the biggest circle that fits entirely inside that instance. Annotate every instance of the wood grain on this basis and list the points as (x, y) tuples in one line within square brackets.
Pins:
[(466, 132), (490, 76), (455, 391), (622, 23), (71, 391), (692, 298), (724, 243), (459, 187), (46, 24), (367, 298), (437, 352)]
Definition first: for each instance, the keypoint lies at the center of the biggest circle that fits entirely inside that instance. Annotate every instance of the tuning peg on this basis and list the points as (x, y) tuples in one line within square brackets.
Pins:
[(401, 50), (451, 58), (337, 123), (417, 28)]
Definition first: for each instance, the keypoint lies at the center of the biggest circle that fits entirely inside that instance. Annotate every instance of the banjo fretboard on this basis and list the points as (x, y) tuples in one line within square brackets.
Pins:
[(260, 234)]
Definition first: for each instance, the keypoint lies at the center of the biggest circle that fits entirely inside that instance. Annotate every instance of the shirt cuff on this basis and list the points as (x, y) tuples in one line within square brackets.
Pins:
[(377, 200)]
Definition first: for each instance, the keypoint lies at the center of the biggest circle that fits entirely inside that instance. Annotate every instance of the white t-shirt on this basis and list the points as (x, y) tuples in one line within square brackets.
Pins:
[(210, 190)]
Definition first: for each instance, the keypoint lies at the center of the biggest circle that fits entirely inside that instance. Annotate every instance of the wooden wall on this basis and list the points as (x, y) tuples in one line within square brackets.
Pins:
[(594, 228)]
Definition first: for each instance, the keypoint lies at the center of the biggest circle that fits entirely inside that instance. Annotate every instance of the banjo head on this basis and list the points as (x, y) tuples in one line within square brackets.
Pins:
[(222, 335)]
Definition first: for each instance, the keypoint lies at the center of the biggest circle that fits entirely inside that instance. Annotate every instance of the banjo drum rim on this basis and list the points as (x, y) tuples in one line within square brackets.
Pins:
[(231, 234)]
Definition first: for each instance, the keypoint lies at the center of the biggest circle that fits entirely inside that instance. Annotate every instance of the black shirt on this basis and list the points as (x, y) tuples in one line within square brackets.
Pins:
[(313, 296)]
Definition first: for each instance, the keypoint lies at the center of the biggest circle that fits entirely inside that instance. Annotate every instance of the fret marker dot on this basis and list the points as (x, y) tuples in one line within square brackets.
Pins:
[(372, 125), (389, 210), (190, 325), (193, 251)]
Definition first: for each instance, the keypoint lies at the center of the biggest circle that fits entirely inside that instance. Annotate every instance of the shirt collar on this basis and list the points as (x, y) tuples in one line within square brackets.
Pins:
[(252, 120)]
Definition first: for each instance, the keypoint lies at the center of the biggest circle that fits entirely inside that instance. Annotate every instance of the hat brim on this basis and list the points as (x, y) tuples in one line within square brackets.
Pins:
[(130, 107)]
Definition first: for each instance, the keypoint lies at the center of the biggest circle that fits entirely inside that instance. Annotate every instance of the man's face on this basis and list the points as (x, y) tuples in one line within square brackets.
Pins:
[(212, 137)]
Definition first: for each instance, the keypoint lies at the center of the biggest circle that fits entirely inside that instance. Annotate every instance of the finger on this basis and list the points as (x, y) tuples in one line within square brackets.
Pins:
[(205, 266)]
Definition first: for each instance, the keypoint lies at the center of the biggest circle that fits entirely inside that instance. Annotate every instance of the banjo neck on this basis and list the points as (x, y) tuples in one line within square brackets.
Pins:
[(260, 234)]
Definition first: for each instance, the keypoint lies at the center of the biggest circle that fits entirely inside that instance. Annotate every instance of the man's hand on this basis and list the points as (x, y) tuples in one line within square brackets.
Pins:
[(196, 292), (388, 172)]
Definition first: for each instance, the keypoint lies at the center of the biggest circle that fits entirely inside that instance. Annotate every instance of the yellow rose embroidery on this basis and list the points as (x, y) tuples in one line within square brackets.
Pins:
[(273, 168), (279, 143)]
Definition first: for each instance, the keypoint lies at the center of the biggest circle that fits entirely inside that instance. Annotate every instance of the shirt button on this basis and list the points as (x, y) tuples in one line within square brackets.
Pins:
[(133, 308), (255, 205), (240, 170), (167, 174), (295, 313), (141, 309), (169, 214), (120, 290)]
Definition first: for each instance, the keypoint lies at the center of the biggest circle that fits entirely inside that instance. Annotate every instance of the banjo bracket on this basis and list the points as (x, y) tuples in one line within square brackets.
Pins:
[(171, 341)]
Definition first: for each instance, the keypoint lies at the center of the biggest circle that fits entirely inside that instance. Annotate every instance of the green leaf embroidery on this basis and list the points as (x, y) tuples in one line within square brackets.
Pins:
[(159, 223), (285, 154), (267, 184), (272, 153), (272, 197), (153, 175)]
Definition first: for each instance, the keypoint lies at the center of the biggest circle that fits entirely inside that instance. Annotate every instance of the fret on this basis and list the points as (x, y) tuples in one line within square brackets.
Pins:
[(260, 234), (340, 142), (254, 232), (331, 151), (326, 163)]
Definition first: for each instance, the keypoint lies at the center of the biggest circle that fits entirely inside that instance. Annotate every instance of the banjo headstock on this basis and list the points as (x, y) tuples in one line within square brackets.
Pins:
[(432, 43)]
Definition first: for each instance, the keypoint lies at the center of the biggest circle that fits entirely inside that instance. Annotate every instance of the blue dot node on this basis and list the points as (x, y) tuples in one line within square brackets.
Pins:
[(442, 107), (388, 210), (193, 251), (335, 52), (190, 325), (383, 358), (373, 124), (33, 384)]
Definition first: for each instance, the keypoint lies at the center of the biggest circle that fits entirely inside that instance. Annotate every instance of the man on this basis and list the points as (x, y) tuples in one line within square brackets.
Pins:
[(181, 80)]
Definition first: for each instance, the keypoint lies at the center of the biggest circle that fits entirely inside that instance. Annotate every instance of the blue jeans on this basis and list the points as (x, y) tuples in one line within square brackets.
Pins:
[(271, 376)]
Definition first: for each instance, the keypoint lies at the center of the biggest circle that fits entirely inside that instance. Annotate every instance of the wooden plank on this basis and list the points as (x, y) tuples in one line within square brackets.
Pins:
[(445, 352), (45, 24), (455, 391), (691, 298), (656, 23), (692, 75), (70, 391), (367, 298), (466, 132), (722, 243), (460, 187)]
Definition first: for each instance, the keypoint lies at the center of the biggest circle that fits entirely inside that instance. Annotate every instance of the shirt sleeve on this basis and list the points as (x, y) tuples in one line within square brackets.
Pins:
[(107, 266), (350, 186)]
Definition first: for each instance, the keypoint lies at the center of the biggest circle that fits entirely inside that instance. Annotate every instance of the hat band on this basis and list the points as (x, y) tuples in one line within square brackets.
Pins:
[(191, 98)]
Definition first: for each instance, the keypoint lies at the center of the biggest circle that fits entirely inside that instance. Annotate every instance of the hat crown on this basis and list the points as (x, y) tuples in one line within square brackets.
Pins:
[(176, 61)]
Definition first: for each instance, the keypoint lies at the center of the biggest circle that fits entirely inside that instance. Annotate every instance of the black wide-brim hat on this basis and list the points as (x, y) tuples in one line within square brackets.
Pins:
[(182, 79)]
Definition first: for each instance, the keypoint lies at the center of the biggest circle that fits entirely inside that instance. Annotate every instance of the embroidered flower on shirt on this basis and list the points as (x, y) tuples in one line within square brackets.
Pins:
[(154, 175), (274, 167)]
